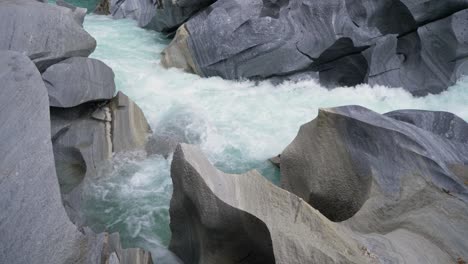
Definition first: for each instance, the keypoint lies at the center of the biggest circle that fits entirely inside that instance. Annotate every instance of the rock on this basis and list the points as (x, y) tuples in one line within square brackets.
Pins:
[(347, 42), (392, 181), (170, 14), (103, 8), (276, 160), (85, 137), (34, 225), (130, 130), (160, 15), (140, 10), (441, 123), (78, 80), (52, 33), (78, 12), (224, 218)]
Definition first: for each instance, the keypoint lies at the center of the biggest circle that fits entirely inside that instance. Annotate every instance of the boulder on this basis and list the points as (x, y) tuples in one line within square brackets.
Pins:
[(341, 42), (441, 123), (103, 8), (160, 15), (392, 182), (52, 33), (34, 226), (224, 218), (78, 80), (78, 12), (85, 137)]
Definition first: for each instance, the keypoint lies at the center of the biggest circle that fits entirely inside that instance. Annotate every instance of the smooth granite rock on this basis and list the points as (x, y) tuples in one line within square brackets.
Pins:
[(418, 45), (140, 10), (85, 137), (224, 218), (50, 35), (78, 80), (400, 187), (441, 123)]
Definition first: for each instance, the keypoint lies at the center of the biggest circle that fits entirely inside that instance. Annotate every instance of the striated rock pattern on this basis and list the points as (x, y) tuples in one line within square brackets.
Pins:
[(441, 123), (399, 186), (223, 218), (418, 45), (78, 80), (52, 33), (160, 15)]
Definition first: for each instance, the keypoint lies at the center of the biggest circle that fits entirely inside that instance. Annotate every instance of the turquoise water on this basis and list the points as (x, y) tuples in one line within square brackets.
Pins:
[(239, 125)]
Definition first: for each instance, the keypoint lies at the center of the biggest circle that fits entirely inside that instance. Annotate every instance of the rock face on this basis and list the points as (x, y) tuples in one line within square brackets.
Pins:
[(391, 181), (163, 15), (417, 45), (34, 225), (84, 138), (78, 12), (52, 33), (222, 218), (441, 123), (78, 80)]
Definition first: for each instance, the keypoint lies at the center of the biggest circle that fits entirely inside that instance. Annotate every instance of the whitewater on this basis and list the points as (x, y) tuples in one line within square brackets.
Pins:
[(239, 125)]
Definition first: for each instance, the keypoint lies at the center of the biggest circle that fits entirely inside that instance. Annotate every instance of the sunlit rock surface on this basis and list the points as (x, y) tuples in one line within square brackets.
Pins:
[(223, 218)]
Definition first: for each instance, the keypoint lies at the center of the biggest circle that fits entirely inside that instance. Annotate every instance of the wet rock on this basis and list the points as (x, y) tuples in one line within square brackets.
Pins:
[(347, 42), (84, 139), (391, 181), (441, 123), (52, 33), (224, 218), (140, 10), (103, 8), (78, 80)]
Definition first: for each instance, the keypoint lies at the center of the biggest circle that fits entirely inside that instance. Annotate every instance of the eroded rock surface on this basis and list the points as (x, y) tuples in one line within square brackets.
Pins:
[(223, 218), (85, 137), (393, 182), (418, 45), (78, 80), (51, 33)]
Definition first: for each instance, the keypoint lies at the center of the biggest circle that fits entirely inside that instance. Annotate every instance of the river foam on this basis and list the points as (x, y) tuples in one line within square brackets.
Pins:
[(239, 125)]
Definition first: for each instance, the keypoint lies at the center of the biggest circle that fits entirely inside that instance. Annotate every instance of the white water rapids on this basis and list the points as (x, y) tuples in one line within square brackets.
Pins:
[(239, 125)]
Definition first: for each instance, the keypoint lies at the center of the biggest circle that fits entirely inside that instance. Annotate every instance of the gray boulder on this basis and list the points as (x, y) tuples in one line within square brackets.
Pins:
[(78, 80), (164, 15), (223, 218), (340, 42), (35, 228), (52, 33), (441, 123), (393, 182), (85, 137), (78, 12)]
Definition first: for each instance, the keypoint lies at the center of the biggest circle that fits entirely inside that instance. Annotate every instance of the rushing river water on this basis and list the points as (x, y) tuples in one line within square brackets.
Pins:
[(239, 125)]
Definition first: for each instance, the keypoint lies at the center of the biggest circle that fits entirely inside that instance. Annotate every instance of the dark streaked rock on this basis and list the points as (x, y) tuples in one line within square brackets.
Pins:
[(223, 218), (441, 123), (50, 35), (78, 80), (420, 46)]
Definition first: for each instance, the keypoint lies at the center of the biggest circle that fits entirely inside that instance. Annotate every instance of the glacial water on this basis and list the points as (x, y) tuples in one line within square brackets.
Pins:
[(239, 125)]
